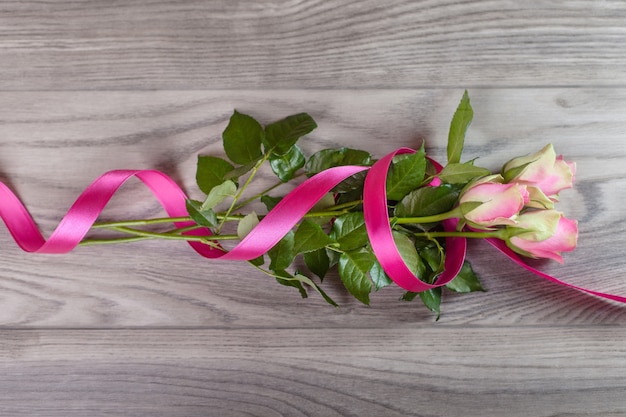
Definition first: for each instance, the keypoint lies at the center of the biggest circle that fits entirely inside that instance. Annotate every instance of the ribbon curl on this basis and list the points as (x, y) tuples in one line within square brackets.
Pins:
[(381, 237), (277, 223)]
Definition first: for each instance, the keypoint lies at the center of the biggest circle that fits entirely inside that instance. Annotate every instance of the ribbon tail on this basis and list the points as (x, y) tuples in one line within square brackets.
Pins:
[(501, 246), (89, 205), (19, 222), (83, 213)]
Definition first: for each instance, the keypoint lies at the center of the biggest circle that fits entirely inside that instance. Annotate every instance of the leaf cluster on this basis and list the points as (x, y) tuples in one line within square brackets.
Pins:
[(333, 234)]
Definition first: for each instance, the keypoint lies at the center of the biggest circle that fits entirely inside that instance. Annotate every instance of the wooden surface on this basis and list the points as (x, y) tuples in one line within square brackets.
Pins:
[(151, 329)]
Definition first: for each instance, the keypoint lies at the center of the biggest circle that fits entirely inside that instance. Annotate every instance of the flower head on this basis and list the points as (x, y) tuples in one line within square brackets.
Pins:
[(499, 203), (544, 234), (543, 172)]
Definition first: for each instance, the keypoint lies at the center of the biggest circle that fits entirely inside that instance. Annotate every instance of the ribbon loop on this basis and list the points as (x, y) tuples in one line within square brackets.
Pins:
[(381, 237)]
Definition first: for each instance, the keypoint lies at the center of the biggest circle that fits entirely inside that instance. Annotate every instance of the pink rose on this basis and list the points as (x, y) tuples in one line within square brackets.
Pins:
[(546, 234), (501, 203), (544, 173)]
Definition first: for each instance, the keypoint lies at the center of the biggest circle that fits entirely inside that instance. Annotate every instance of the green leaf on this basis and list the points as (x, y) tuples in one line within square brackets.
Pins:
[(356, 157), (246, 224), (281, 255), (458, 128), (329, 158), (317, 262), (324, 159), (431, 170), (353, 269), (280, 136), (434, 256), (288, 280), (327, 201), (352, 183), (324, 203), (379, 277), (432, 300), (409, 296), (509, 175), (333, 257), (202, 217), (351, 196), (462, 173), (242, 170), (211, 171), (466, 281), (257, 261), (427, 201), (270, 202), (218, 194), (310, 237), (298, 279), (349, 231), (242, 138), (406, 173), (408, 253), (469, 206), (306, 280), (285, 166)]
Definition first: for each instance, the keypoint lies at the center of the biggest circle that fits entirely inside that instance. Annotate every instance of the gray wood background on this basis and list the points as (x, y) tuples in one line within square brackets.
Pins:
[(151, 329)]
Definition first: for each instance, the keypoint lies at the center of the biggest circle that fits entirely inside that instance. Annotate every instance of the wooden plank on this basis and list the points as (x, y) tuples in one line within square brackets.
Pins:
[(53, 144), (310, 44), (427, 370)]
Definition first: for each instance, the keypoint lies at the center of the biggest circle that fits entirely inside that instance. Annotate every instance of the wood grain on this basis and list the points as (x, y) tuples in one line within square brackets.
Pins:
[(151, 329), (86, 45), (50, 156), (546, 371)]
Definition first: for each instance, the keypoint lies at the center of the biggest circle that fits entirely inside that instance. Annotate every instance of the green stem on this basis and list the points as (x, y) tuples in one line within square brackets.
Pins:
[(183, 230), (173, 235), (323, 214), (349, 205), (224, 217), (264, 192), (265, 271), (241, 191), (160, 220), (139, 222), (499, 234), (92, 242), (454, 213), (334, 211)]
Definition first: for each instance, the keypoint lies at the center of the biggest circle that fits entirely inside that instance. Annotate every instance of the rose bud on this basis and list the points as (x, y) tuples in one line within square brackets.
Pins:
[(542, 170), (501, 203), (544, 234)]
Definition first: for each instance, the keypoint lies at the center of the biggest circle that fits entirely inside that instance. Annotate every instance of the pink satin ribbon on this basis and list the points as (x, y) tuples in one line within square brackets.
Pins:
[(381, 238), (277, 223)]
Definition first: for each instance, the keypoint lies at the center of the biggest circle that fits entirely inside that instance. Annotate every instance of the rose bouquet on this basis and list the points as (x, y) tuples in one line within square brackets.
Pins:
[(402, 219)]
